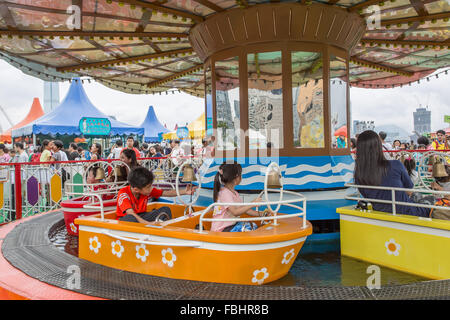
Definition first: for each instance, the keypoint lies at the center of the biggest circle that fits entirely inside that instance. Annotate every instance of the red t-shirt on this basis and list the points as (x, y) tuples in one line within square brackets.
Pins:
[(126, 200), (138, 154)]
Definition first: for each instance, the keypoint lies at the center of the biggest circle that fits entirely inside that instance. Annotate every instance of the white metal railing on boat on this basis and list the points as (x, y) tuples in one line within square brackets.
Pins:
[(275, 217), (156, 243), (393, 201)]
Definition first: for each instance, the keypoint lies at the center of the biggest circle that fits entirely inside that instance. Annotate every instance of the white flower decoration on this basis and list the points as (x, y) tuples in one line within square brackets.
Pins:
[(141, 252), (117, 248), (260, 275), (168, 257), (73, 227), (94, 244), (288, 255), (392, 247)]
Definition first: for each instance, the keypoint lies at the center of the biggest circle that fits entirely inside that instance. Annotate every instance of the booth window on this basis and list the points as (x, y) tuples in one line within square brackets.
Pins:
[(307, 99), (265, 100), (338, 102), (209, 102), (227, 103)]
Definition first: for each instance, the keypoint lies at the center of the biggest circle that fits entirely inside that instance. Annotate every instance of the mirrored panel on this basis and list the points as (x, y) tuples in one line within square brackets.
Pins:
[(209, 102), (265, 100), (338, 102), (227, 104), (307, 99)]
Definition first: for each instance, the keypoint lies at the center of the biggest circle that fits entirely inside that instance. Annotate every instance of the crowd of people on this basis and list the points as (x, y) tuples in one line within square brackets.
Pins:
[(376, 166), (53, 150), (441, 142)]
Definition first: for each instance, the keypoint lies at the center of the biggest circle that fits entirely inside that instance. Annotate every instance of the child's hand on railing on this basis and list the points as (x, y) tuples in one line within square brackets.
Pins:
[(258, 199)]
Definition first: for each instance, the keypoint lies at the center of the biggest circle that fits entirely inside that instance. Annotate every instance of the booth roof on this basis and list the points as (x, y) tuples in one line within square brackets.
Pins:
[(65, 118), (152, 126), (34, 113)]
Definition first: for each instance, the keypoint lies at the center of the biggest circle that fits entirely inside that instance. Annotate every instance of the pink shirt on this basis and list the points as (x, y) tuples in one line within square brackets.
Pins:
[(225, 196)]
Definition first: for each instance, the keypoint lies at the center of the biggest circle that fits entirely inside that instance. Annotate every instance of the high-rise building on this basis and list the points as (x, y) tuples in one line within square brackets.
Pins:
[(422, 120), (361, 126), (51, 96)]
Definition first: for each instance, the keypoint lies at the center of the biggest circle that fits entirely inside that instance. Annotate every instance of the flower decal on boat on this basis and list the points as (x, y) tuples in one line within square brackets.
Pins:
[(73, 227), (94, 244), (288, 255), (168, 257), (117, 248), (141, 252), (392, 247), (260, 275)]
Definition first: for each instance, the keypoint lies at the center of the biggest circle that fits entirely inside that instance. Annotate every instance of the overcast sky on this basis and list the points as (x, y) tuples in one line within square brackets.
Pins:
[(384, 106)]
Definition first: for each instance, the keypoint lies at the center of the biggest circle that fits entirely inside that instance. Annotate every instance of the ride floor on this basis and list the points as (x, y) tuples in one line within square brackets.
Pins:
[(36, 250)]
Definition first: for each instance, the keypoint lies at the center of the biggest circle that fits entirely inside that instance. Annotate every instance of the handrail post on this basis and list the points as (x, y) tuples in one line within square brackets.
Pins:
[(393, 202), (18, 190)]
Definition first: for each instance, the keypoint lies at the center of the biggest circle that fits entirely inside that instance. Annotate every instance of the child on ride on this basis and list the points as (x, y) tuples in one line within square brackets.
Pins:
[(442, 184), (91, 179), (132, 200), (229, 175)]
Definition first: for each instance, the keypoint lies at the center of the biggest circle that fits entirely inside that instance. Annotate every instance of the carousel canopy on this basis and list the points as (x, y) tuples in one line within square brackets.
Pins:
[(139, 46), (34, 113), (65, 118), (152, 126)]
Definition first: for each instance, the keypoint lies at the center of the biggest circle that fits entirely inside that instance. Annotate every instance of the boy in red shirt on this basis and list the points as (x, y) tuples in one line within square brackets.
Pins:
[(132, 200)]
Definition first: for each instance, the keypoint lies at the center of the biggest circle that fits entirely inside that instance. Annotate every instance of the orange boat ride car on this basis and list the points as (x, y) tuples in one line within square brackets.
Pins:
[(185, 248)]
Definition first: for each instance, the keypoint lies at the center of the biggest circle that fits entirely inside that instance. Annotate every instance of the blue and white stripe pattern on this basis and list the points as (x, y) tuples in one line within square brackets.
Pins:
[(299, 173)]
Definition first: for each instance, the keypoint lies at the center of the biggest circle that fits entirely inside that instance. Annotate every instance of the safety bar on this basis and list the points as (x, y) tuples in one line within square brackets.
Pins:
[(275, 217), (393, 202), (102, 213), (157, 243)]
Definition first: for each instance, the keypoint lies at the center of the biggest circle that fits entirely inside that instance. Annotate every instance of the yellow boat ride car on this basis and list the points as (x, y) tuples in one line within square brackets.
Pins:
[(411, 244)]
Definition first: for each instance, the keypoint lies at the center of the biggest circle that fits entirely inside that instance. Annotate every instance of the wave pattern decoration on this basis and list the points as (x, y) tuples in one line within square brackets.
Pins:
[(329, 171)]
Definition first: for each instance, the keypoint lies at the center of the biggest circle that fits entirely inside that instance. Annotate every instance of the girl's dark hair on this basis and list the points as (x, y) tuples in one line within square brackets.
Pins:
[(370, 164), (353, 143), (130, 154), (45, 143), (225, 174), (410, 165)]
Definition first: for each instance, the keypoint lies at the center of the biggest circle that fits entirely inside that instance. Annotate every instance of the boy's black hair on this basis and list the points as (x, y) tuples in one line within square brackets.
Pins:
[(19, 145), (130, 137), (140, 177), (441, 132), (119, 143)]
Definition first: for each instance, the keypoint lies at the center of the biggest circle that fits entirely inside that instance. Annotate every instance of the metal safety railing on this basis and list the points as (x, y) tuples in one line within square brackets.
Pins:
[(275, 217), (30, 188), (393, 202)]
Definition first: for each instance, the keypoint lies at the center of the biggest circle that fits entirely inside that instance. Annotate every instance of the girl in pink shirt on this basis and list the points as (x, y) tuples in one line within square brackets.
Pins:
[(226, 179)]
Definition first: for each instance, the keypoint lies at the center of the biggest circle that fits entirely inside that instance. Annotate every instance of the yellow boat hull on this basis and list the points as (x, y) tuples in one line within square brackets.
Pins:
[(407, 243), (252, 258)]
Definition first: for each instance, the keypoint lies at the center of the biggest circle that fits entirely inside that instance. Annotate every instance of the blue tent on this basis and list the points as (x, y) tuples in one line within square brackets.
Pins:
[(65, 118), (152, 126)]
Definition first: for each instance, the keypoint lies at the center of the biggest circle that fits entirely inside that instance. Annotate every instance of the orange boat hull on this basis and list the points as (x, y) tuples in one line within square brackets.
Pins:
[(251, 258)]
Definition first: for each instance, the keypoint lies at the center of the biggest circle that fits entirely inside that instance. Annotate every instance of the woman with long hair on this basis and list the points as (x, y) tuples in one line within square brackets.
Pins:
[(96, 151), (128, 156), (372, 169)]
